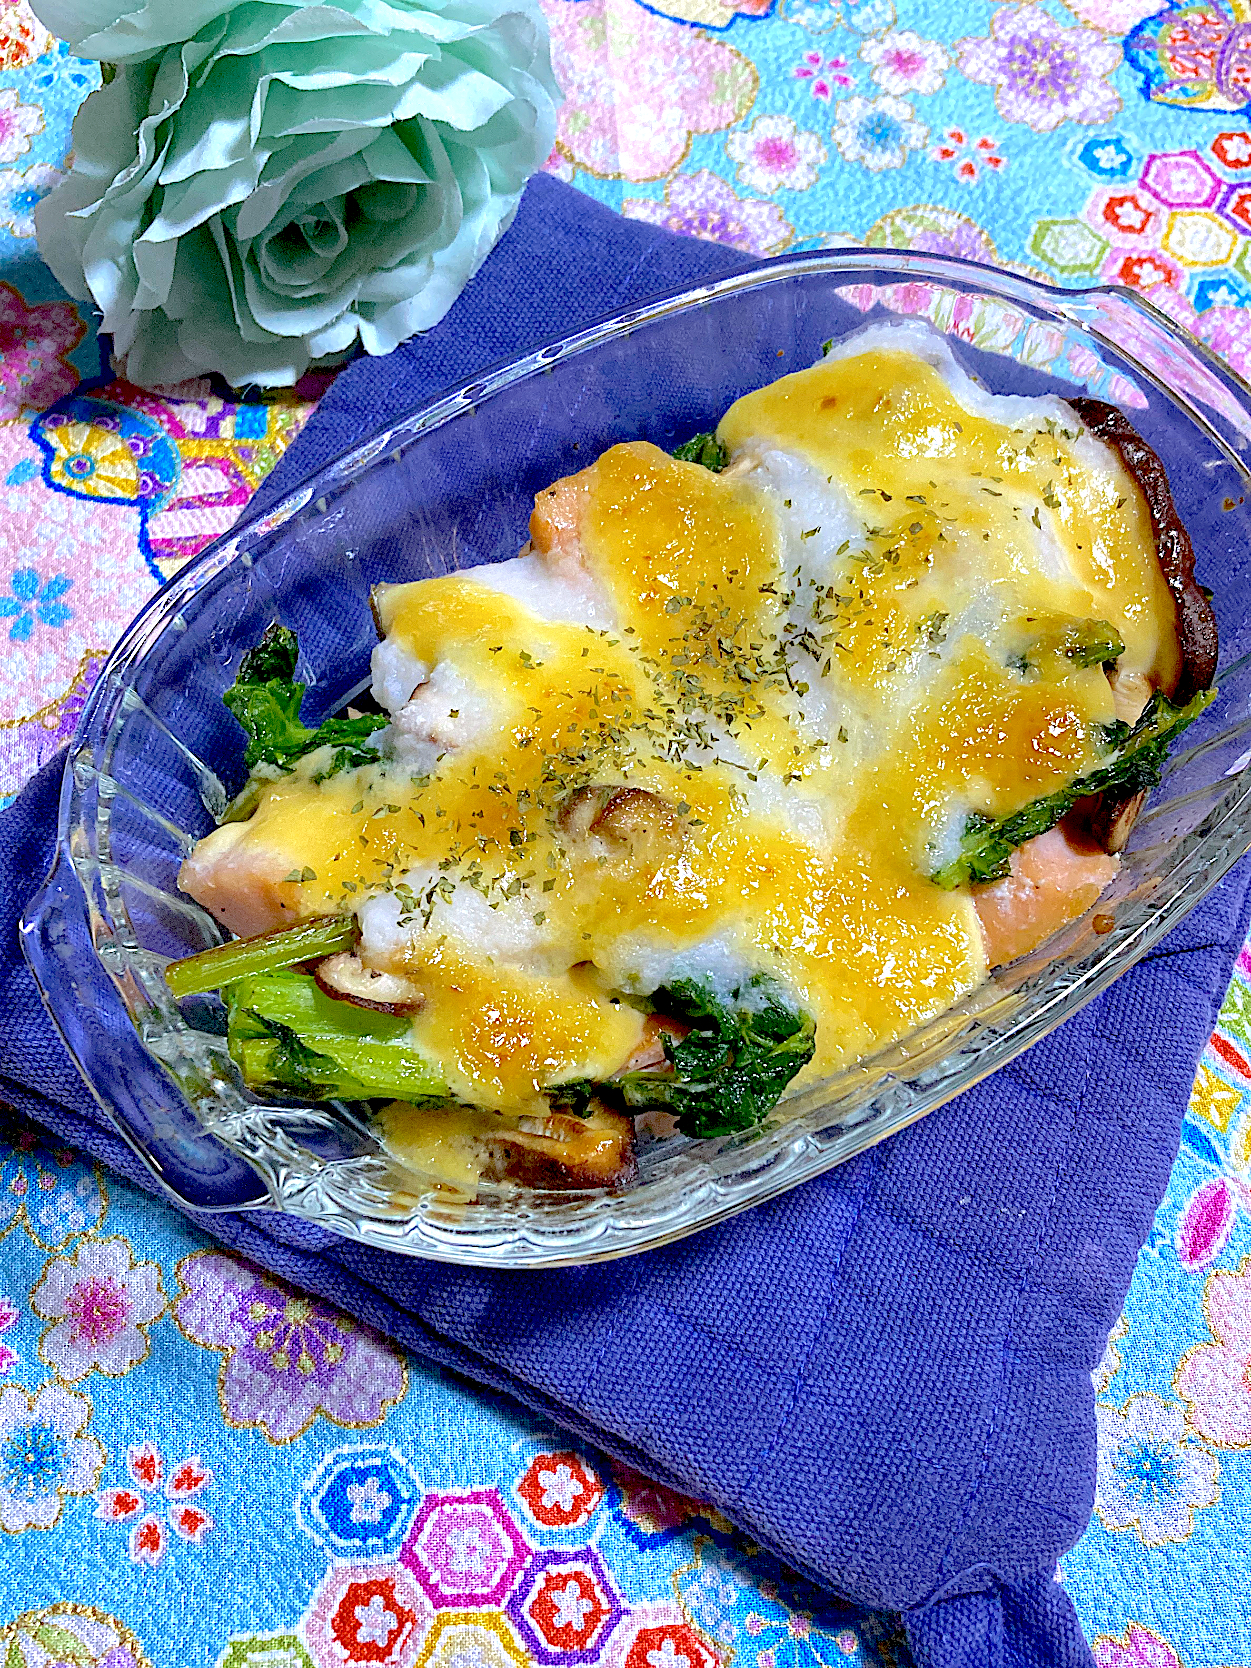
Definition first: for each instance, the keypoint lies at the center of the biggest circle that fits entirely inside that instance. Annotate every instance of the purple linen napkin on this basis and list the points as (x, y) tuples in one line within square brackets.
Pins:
[(884, 1376)]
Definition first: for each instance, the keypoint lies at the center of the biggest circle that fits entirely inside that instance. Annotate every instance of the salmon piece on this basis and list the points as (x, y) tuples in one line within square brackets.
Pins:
[(1055, 878), (555, 525), (650, 1054), (239, 882)]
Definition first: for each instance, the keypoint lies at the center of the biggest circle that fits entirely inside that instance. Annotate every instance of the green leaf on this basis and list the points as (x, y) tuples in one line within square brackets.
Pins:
[(729, 1071), (1084, 643), (573, 1097), (1139, 752), (1235, 1014), (273, 659), (1092, 643), (705, 449), (266, 698), (285, 1032)]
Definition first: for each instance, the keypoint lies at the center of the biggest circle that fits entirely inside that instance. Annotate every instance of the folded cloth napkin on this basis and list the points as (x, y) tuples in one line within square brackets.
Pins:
[(884, 1376)]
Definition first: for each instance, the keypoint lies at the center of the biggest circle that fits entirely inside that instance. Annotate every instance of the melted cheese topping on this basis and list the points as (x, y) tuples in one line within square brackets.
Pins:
[(820, 662), (1054, 512)]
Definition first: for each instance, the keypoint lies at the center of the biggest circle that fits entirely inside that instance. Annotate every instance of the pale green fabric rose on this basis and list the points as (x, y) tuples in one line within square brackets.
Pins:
[(261, 185)]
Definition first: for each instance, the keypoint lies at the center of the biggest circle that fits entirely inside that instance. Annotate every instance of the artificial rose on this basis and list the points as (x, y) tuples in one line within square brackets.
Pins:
[(261, 185)]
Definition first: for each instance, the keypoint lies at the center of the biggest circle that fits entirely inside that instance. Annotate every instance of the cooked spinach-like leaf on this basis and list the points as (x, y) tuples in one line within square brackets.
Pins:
[(1084, 643), (266, 699), (309, 940), (1092, 643), (1139, 752), (705, 449), (729, 1070)]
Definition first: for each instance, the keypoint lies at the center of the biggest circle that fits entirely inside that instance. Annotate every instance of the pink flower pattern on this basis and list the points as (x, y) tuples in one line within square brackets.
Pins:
[(465, 1549), (1137, 1647), (774, 154), (8, 1318), (904, 62), (34, 342), (1215, 1378), (18, 125), (99, 1304), (156, 1500), (823, 74), (670, 84), (1043, 74), (703, 205)]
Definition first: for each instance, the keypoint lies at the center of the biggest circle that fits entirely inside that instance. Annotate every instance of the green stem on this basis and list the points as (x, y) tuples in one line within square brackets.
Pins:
[(286, 1032), (987, 844), (308, 940)]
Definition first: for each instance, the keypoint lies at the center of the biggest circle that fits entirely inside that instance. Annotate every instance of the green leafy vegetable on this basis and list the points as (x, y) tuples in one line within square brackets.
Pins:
[(285, 1032), (266, 698), (308, 940), (1139, 751), (729, 1070), (705, 449), (1092, 643), (1085, 643)]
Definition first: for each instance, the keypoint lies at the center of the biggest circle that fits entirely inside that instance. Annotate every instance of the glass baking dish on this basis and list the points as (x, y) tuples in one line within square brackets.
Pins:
[(156, 757)]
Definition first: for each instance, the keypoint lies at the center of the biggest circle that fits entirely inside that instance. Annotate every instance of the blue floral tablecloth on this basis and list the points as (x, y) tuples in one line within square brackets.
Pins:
[(199, 1467)]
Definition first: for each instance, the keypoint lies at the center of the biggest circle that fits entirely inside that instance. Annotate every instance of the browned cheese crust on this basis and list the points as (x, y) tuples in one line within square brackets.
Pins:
[(1196, 622)]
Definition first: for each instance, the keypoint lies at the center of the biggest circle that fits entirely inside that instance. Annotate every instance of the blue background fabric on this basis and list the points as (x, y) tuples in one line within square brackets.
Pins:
[(883, 1376)]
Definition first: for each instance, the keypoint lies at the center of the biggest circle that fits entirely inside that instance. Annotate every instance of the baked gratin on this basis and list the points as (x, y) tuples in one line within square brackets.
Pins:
[(758, 757)]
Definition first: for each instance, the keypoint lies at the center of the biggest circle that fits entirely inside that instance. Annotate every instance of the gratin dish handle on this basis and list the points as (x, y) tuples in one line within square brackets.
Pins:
[(143, 1104)]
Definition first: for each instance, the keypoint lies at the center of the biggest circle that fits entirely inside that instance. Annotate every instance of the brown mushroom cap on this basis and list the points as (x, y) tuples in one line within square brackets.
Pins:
[(633, 823), (345, 977), (565, 1151), (1109, 817), (1196, 622)]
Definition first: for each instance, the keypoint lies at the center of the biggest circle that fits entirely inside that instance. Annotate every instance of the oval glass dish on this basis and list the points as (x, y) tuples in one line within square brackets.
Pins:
[(156, 756)]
